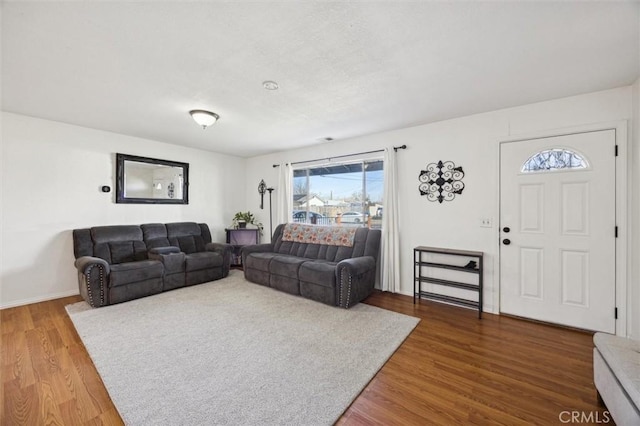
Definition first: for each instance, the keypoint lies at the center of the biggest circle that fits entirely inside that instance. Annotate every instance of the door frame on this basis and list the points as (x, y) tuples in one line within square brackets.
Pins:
[(622, 212)]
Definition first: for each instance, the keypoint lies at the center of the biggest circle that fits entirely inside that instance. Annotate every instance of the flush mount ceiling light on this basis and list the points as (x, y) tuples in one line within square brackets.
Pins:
[(204, 118), (270, 85)]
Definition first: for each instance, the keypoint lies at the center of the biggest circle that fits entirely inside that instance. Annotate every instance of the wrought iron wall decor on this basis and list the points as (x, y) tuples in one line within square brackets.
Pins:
[(441, 181), (262, 188)]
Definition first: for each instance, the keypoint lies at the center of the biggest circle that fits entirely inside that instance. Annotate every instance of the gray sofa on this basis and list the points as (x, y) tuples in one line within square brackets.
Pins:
[(120, 263), (616, 374), (336, 275)]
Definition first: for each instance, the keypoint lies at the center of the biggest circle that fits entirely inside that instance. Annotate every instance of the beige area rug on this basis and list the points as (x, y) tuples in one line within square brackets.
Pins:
[(232, 352)]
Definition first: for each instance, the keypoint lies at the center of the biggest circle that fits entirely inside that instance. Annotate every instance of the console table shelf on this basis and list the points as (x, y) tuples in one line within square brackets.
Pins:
[(421, 265), (239, 238)]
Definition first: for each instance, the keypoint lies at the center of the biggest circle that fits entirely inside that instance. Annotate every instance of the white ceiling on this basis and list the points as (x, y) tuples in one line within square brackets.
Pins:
[(344, 69)]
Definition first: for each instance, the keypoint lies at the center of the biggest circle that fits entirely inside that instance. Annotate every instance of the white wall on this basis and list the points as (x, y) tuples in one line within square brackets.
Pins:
[(471, 142), (51, 179)]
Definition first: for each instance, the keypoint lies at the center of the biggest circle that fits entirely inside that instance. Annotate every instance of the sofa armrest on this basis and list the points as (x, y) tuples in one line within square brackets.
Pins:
[(172, 259), (165, 250), (93, 276), (255, 248), (225, 251), (356, 278)]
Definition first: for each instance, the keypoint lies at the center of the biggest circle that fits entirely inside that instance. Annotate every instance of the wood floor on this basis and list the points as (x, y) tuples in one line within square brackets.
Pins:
[(453, 369)]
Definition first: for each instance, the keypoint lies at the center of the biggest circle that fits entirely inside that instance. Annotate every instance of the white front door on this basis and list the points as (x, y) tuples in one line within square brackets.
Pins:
[(557, 229)]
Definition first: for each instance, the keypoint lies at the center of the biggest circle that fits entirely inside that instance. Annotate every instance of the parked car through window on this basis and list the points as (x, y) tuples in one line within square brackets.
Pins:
[(352, 217), (300, 216)]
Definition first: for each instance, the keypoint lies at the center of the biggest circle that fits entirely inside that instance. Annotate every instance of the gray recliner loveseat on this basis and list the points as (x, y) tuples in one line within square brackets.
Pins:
[(124, 262), (330, 264)]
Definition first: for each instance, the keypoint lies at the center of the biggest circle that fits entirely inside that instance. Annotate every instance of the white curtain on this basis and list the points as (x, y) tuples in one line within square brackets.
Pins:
[(390, 268), (284, 199)]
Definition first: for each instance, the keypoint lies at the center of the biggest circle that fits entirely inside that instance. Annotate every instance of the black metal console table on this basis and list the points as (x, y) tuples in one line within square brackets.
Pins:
[(474, 266)]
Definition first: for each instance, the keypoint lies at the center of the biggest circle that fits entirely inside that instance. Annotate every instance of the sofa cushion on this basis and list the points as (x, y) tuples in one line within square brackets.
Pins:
[(155, 235), (259, 261), (286, 266), (623, 358), (342, 254), (318, 272), (314, 251), (118, 244), (186, 235), (121, 251), (132, 272), (107, 234), (204, 260)]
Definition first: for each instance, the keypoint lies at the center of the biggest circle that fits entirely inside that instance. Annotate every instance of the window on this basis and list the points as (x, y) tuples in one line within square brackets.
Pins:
[(554, 159), (349, 194)]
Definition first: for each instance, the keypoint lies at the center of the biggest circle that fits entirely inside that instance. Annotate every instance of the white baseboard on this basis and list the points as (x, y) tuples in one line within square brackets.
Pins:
[(31, 300)]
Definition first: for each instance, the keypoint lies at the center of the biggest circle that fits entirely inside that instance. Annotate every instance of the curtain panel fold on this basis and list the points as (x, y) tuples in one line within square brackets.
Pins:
[(284, 199)]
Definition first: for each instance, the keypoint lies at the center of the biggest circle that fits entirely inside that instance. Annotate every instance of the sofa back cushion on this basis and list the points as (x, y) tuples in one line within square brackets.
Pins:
[(191, 237), (118, 244), (155, 235), (366, 243)]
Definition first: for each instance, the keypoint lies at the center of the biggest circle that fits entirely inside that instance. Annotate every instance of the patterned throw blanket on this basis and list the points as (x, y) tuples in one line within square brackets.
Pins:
[(314, 234)]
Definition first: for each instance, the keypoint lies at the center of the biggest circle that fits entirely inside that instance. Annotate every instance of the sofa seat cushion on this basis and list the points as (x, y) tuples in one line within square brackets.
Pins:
[(319, 272), (133, 272), (286, 266), (623, 358), (260, 261), (203, 260)]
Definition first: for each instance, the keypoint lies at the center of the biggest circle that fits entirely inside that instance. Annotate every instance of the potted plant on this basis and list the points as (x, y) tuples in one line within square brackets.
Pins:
[(241, 219)]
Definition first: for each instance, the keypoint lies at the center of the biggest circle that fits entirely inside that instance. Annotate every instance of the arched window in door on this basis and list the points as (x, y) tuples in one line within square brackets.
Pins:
[(554, 159)]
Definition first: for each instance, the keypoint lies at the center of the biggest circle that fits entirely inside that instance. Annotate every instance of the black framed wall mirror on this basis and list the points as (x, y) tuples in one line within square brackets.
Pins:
[(142, 180)]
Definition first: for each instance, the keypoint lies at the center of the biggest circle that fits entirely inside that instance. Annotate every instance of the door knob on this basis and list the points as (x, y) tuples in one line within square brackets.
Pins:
[(506, 241), (506, 229)]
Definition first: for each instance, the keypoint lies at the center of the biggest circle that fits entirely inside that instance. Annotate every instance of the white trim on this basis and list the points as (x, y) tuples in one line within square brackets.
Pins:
[(326, 162), (620, 128), (39, 299), (495, 309)]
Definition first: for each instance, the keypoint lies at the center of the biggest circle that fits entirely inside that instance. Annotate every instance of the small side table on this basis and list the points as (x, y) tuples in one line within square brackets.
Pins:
[(239, 238)]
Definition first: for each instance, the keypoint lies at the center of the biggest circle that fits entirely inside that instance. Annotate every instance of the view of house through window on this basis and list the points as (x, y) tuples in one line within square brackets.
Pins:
[(349, 194)]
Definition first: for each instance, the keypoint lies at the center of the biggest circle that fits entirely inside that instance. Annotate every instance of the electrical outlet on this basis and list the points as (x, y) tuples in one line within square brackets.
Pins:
[(486, 222)]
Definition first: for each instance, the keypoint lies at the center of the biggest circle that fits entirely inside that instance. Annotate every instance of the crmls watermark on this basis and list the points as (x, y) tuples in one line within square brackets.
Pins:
[(591, 417)]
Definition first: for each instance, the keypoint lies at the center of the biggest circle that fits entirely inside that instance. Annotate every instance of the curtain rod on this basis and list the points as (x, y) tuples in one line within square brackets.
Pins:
[(395, 149)]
